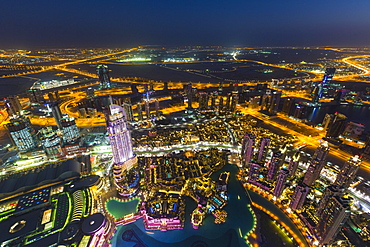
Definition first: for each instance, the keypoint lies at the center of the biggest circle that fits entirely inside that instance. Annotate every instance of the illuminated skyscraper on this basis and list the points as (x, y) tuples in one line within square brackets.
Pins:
[(317, 164), (329, 192), (299, 196), (329, 74), (332, 219), (140, 111), (247, 148), (22, 133), (336, 126), (262, 151), (280, 182), (203, 101), (13, 106), (254, 171), (69, 130), (54, 108), (274, 164), (103, 73), (293, 164), (348, 172), (51, 142), (129, 112)]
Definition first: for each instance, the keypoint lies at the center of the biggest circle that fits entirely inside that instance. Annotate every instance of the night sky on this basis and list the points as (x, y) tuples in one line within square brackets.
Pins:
[(127, 23)]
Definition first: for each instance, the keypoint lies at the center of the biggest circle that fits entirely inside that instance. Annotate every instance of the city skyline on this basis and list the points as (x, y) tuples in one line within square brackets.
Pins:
[(45, 24)]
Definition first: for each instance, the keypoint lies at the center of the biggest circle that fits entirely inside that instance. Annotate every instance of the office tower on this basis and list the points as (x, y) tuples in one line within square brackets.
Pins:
[(157, 112), (53, 107), (51, 143), (35, 95), (337, 125), (213, 100), (203, 101), (348, 172), (247, 148), (300, 111), (103, 73), (121, 143), (332, 219), (275, 101), (147, 109), (328, 119), (228, 102), (288, 106), (317, 164), (329, 74), (330, 191), (254, 171), (274, 164), (165, 86), (220, 103), (119, 136), (280, 182), (299, 196), (134, 89), (293, 164), (13, 105), (129, 111), (354, 130), (234, 101), (263, 149), (69, 130), (140, 111), (22, 133), (188, 90)]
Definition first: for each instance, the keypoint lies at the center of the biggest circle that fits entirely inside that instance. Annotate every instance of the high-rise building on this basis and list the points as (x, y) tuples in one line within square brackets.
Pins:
[(263, 149), (123, 156), (51, 142), (336, 127), (271, 101), (234, 101), (22, 133), (147, 109), (299, 196), (35, 95), (203, 101), (157, 112), (13, 106), (129, 111), (330, 191), (288, 106), (254, 171), (317, 164), (293, 164), (247, 148), (140, 111), (329, 74), (280, 182), (188, 90), (103, 73), (332, 219), (348, 172), (69, 130), (274, 164), (54, 108)]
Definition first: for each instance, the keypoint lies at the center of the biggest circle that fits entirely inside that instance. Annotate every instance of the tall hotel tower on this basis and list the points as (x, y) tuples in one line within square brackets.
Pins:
[(120, 141), (317, 164)]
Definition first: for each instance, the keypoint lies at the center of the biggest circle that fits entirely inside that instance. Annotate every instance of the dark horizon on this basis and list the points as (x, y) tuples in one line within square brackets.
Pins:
[(71, 24)]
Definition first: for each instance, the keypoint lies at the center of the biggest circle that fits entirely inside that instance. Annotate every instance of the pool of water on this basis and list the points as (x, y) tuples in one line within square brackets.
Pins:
[(119, 208)]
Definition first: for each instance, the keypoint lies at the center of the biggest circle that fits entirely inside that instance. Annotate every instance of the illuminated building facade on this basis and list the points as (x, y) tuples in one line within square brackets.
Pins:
[(299, 196), (348, 172), (336, 126), (274, 164), (280, 182), (13, 106), (22, 133), (54, 108), (317, 164), (51, 142), (293, 164), (332, 219), (248, 148), (329, 192), (103, 73), (121, 143), (263, 148), (69, 130)]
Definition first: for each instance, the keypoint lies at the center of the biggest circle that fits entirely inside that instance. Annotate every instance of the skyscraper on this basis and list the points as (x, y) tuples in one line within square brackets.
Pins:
[(69, 130), (22, 133), (13, 106), (317, 164), (336, 127), (247, 148), (332, 219), (328, 76), (123, 155), (330, 191), (254, 171), (203, 101), (280, 182), (53, 107), (299, 196), (103, 73), (51, 142), (274, 164), (348, 172), (293, 164), (262, 151)]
